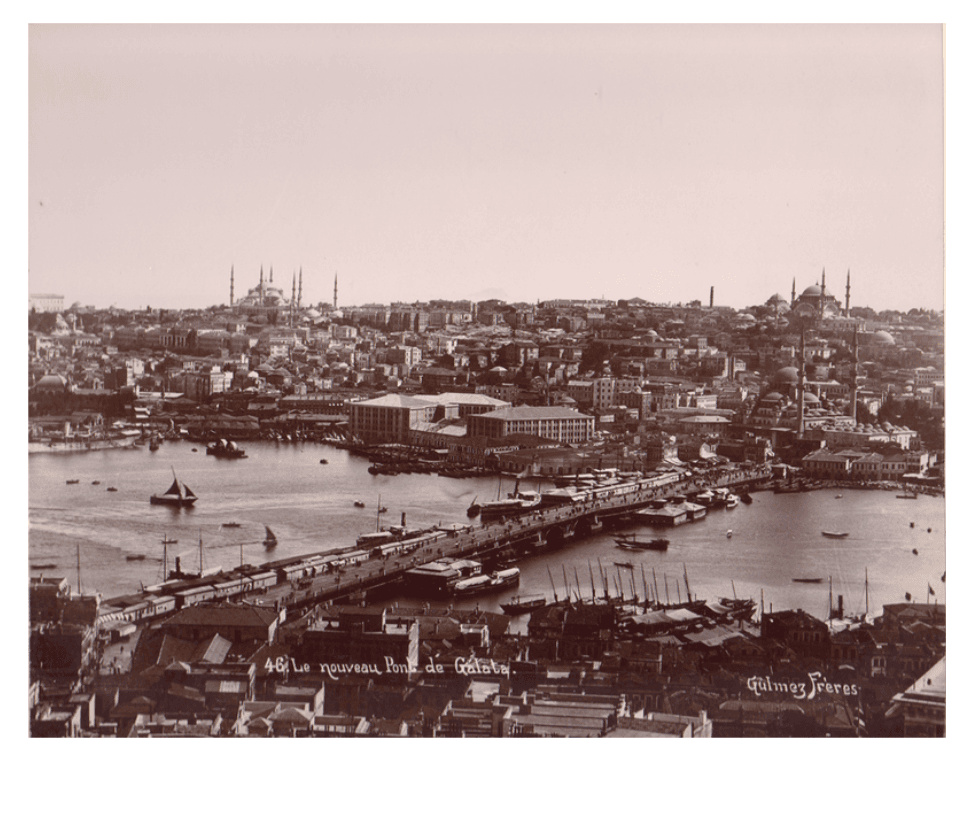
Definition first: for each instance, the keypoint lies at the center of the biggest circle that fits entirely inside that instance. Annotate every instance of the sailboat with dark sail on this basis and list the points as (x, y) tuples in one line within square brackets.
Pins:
[(271, 539), (178, 494)]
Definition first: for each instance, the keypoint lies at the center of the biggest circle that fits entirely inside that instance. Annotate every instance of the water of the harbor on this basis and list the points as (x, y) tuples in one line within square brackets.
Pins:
[(310, 508)]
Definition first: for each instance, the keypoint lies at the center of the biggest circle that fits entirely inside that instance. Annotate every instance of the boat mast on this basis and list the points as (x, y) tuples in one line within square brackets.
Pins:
[(865, 584), (552, 584), (79, 568), (688, 593)]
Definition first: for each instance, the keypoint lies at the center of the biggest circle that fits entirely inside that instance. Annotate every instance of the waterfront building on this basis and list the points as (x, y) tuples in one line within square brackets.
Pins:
[(393, 418), (237, 623), (840, 431), (556, 423)]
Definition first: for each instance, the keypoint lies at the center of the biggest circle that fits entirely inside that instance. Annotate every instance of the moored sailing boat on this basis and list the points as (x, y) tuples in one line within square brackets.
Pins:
[(523, 604), (178, 494)]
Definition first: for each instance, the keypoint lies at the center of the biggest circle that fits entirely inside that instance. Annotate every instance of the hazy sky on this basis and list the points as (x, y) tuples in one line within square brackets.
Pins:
[(523, 162)]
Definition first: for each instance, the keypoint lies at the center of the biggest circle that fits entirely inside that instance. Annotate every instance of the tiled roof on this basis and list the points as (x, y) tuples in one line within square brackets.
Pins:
[(394, 400), (534, 413), (224, 616)]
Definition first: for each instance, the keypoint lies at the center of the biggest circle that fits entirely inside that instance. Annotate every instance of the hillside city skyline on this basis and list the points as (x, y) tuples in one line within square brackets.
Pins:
[(308, 300)]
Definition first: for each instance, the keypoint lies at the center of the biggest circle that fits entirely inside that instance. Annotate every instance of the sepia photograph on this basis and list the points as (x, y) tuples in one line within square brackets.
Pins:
[(486, 380)]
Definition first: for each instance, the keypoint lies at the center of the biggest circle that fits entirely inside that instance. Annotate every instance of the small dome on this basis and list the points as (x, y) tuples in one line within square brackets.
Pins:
[(52, 381), (810, 398), (774, 396), (883, 338), (787, 375)]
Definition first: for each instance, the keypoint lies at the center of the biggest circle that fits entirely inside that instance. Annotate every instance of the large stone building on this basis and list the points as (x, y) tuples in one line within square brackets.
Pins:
[(556, 423), (46, 303), (393, 417)]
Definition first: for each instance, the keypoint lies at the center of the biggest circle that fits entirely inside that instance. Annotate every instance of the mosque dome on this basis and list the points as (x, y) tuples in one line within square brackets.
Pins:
[(812, 291), (787, 375), (52, 381)]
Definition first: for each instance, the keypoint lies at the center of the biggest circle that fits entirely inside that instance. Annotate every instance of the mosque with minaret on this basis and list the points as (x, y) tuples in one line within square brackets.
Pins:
[(815, 304), (265, 300)]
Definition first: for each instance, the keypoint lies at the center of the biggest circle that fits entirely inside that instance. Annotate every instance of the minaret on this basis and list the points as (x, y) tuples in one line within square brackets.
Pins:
[(801, 383), (335, 292), (854, 376), (823, 290), (300, 286), (231, 285), (793, 293), (261, 284), (293, 300), (847, 298), (271, 275)]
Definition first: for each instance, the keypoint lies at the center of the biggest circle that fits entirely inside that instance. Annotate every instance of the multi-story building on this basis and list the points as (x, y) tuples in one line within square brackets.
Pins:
[(556, 423), (46, 303), (389, 418)]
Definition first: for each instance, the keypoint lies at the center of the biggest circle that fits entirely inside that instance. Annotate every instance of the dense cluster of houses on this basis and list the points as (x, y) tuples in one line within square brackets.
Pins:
[(469, 377), (590, 669)]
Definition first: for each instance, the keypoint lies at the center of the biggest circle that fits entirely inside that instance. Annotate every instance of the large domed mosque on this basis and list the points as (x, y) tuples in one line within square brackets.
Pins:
[(265, 300), (817, 303)]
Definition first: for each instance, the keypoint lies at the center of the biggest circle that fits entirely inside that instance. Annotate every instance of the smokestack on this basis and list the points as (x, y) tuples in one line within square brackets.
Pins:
[(711, 296)]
